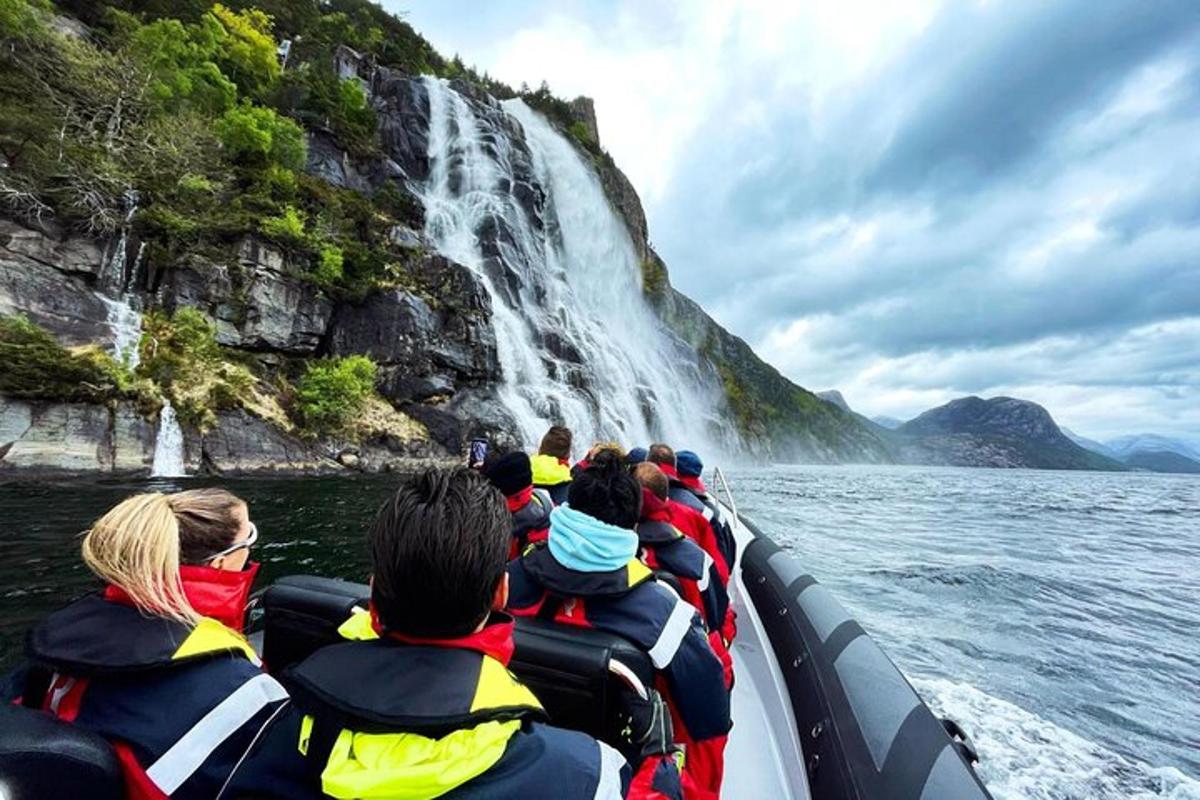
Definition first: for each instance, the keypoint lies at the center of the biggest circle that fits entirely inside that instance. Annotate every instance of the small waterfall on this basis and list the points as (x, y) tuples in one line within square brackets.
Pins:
[(125, 322), (511, 199), (168, 446)]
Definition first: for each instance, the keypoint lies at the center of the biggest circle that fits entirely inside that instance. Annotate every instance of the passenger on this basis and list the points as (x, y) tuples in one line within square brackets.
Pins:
[(530, 507), (690, 468), (156, 662), (551, 466), (422, 704), (689, 514), (664, 547), (597, 448), (635, 456), (589, 575)]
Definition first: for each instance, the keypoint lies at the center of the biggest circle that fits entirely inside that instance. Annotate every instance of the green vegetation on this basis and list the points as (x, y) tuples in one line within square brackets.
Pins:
[(654, 276), (180, 354), (333, 391), (38, 367)]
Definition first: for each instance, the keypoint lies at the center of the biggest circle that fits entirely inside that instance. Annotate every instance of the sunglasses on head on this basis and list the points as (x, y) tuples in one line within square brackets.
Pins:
[(248, 542)]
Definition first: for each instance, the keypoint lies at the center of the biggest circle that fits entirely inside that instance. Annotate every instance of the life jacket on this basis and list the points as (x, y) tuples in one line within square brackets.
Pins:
[(406, 718), (628, 602), (664, 548), (531, 519), (552, 474), (175, 700)]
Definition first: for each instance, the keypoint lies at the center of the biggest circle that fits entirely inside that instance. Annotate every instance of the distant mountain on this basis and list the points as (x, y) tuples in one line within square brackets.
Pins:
[(891, 423), (1163, 461), (998, 432), (835, 397), (1090, 444), (1126, 447)]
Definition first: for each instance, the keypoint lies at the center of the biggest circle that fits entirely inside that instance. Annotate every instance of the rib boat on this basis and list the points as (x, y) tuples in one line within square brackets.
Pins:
[(819, 710)]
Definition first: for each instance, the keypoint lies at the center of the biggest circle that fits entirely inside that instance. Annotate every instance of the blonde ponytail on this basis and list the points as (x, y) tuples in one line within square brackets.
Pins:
[(135, 547)]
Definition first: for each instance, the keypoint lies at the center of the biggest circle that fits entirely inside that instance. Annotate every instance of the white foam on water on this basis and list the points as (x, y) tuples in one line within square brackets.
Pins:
[(1025, 757), (168, 446)]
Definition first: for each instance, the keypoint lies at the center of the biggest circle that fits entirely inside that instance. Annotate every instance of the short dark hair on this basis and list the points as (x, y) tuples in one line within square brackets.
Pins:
[(438, 550), (653, 478), (607, 492), (556, 442), (661, 454)]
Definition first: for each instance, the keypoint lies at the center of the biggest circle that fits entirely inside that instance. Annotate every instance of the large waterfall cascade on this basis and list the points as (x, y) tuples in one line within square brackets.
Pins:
[(576, 341), (168, 446), (124, 318)]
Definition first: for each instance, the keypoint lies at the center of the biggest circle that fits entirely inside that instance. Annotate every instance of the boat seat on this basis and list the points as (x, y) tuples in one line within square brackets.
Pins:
[(41, 756), (584, 678)]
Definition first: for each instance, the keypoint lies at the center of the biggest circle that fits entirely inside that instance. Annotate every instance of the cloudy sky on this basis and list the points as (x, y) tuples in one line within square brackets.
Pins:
[(906, 203)]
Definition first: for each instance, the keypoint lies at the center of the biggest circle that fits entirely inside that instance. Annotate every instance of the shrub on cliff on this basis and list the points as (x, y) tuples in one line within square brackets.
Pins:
[(332, 391), (36, 366), (181, 355)]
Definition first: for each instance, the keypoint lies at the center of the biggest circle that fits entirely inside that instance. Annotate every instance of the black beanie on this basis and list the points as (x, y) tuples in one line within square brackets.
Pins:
[(510, 473)]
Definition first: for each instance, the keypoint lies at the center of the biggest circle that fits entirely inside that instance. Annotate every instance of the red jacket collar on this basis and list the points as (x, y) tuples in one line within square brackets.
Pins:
[(495, 640), (654, 509), (519, 500), (217, 593), (694, 483), (669, 471)]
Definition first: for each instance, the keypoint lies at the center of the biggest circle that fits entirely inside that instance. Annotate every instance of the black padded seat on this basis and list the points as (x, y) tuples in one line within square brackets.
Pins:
[(42, 757)]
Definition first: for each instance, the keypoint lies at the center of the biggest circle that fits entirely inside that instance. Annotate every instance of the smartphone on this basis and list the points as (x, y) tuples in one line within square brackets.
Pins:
[(478, 454)]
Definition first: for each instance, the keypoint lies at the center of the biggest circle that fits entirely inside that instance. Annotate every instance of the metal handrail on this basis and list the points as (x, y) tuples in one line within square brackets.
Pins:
[(724, 484)]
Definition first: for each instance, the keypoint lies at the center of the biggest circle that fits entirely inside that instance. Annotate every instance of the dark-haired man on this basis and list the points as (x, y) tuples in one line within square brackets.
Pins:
[(589, 575), (422, 705), (530, 507), (690, 514), (664, 547), (552, 464)]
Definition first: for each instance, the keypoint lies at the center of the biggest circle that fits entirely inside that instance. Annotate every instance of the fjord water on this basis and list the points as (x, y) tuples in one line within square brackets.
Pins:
[(1053, 614), (508, 197)]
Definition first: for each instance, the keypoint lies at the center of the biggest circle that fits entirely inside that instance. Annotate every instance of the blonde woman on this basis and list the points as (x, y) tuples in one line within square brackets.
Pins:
[(156, 661)]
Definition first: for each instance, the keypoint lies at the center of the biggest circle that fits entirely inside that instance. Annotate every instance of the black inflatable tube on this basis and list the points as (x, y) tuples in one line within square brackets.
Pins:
[(866, 733)]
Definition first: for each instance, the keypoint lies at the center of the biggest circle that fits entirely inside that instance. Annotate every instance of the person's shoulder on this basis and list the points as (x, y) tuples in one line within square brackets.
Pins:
[(546, 761)]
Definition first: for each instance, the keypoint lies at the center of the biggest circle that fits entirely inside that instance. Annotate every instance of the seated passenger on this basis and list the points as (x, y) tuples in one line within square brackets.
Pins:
[(551, 466), (156, 662), (689, 514), (589, 575), (664, 547), (422, 704), (635, 456), (530, 507), (597, 448), (690, 469)]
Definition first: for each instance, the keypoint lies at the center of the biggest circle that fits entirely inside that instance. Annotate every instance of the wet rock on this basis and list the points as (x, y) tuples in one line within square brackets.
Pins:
[(242, 443), (69, 438)]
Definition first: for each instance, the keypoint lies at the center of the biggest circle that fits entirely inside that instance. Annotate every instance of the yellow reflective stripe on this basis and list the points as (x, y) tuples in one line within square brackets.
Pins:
[(407, 766), (499, 689), (358, 627), (210, 636), (637, 572), (306, 726)]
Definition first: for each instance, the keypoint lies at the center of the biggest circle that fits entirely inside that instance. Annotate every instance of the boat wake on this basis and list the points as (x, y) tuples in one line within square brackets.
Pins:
[(1025, 757)]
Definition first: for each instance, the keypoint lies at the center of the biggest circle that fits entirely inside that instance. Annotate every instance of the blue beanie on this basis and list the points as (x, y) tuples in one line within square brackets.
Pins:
[(688, 464), (637, 455)]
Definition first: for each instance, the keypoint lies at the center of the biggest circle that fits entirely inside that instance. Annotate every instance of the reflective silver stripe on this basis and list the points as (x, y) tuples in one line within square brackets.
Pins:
[(672, 633), (176, 765), (611, 764), (702, 584), (708, 513)]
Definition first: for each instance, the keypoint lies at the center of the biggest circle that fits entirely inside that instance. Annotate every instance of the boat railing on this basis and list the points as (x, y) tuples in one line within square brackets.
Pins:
[(724, 486)]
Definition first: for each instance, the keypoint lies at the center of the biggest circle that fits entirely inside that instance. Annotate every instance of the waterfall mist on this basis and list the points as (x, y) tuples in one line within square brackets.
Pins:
[(511, 199)]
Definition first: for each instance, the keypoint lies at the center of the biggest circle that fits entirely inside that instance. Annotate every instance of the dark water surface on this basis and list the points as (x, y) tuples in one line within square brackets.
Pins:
[(1056, 615)]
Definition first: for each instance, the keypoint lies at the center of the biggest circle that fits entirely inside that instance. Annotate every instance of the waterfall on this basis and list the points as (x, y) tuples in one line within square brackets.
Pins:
[(125, 322), (168, 446), (511, 199)]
